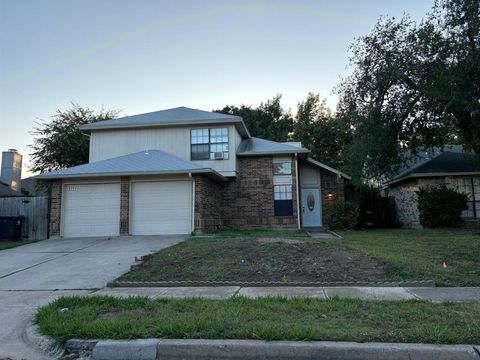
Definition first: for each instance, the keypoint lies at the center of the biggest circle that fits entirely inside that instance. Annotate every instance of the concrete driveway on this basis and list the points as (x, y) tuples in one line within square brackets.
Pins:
[(36, 274), (81, 263)]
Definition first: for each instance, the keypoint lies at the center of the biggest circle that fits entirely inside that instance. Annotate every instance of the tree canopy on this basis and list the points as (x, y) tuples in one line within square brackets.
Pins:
[(314, 125), (59, 143), (268, 121), (413, 86), (320, 131)]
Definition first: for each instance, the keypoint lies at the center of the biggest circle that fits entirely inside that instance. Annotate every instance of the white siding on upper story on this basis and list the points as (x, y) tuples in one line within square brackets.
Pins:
[(176, 141)]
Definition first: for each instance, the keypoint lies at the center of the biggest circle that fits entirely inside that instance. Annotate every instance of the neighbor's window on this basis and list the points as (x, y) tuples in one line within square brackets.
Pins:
[(283, 204), (209, 144), (471, 187), (282, 167)]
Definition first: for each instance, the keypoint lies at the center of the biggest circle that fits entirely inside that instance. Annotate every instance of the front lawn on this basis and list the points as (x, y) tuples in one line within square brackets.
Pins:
[(6, 244), (289, 256), (410, 254), (265, 318), (280, 256)]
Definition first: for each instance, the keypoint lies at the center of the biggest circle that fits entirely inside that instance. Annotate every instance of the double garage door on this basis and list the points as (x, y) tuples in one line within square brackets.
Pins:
[(156, 208)]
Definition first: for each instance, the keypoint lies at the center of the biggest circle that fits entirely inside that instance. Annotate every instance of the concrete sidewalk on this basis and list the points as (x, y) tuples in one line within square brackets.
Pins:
[(457, 294)]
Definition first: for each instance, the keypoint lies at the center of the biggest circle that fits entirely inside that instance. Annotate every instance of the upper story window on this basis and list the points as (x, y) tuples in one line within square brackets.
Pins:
[(209, 144), (282, 167)]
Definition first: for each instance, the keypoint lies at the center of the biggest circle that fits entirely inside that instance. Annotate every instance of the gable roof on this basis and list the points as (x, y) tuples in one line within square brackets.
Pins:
[(441, 163), (170, 117), (328, 168), (141, 163), (7, 191), (29, 185), (256, 146)]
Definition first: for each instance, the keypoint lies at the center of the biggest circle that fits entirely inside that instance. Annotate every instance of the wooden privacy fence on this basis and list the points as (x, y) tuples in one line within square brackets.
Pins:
[(35, 210)]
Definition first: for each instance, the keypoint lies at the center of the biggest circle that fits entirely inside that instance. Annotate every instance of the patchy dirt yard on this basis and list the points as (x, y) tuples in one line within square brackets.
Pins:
[(259, 259)]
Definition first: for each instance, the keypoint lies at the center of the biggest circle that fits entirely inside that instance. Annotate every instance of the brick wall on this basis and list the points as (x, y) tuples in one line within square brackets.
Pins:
[(207, 203), (244, 202), (124, 205), (405, 197), (55, 208)]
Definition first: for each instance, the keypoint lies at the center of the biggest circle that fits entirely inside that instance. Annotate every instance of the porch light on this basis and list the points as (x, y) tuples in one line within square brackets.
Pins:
[(330, 195)]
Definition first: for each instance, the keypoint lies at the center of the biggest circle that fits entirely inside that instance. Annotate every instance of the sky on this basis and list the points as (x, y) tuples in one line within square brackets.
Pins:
[(138, 56)]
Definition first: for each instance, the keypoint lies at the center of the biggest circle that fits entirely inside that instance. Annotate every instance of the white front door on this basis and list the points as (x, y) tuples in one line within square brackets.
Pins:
[(161, 207), (91, 210), (311, 208)]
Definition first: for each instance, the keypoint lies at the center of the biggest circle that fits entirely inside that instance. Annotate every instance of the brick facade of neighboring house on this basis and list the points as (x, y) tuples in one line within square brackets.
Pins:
[(405, 197)]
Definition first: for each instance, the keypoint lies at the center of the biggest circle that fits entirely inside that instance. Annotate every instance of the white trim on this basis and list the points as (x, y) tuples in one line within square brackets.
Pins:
[(70, 182), (191, 180), (258, 153), (206, 171), (326, 167), (242, 128), (193, 203), (298, 192)]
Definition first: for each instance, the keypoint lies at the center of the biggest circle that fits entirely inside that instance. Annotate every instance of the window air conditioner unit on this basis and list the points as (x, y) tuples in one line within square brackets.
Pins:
[(219, 155)]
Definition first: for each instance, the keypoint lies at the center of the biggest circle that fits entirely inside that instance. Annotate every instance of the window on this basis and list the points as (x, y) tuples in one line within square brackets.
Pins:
[(471, 187), (209, 144), (282, 167), (283, 204)]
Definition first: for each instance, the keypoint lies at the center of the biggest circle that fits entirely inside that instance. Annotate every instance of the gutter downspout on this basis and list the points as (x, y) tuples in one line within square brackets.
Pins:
[(297, 187), (193, 202)]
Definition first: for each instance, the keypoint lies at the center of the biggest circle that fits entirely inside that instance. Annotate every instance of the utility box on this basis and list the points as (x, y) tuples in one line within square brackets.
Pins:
[(11, 227)]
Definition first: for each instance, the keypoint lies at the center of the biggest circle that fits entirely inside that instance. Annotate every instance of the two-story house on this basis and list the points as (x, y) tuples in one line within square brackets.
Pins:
[(183, 170)]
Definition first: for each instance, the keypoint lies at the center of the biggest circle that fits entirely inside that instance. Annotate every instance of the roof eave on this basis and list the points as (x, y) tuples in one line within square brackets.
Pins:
[(328, 168), (242, 129), (283, 152), (213, 173), (436, 174)]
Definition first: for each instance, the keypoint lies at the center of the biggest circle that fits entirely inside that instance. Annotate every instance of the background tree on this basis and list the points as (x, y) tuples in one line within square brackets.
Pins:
[(413, 86), (321, 132), (268, 121), (59, 143)]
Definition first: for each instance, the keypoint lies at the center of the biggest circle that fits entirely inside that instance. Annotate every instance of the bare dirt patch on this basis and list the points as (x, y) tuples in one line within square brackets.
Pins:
[(278, 240), (256, 260)]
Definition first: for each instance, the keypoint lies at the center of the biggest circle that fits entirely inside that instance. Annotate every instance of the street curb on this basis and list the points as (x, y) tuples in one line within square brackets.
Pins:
[(43, 343), (156, 349), (195, 283)]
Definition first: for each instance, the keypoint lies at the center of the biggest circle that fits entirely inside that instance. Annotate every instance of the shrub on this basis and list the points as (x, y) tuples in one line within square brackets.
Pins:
[(343, 215), (440, 206)]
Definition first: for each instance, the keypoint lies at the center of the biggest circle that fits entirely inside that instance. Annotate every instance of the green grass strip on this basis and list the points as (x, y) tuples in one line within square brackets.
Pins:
[(276, 318)]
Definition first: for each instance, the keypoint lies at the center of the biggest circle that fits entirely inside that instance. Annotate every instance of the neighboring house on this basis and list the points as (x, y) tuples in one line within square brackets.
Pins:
[(30, 187), (6, 191), (449, 166), (182, 170)]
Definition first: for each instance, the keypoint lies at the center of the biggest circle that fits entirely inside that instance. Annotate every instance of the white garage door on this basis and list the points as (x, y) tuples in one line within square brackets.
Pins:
[(91, 210), (163, 207)]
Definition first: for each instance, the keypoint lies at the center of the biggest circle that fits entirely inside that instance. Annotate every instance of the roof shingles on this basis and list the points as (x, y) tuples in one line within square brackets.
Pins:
[(144, 162), (257, 146)]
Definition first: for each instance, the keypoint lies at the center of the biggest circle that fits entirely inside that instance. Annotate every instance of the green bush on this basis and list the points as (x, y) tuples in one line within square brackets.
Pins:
[(440, 206), (343, 215)]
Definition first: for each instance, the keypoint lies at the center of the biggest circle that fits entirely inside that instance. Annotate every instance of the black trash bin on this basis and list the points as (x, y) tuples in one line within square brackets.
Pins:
[(11, 227)]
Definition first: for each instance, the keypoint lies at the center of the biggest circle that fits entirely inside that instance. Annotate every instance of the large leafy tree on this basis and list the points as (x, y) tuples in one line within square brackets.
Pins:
[(59, 143), (268, 121), (321, 132), (414, 86)]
